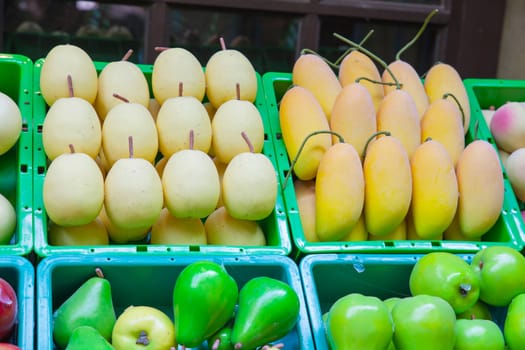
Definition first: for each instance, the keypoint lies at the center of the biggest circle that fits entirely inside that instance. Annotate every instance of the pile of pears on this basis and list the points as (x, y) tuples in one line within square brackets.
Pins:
[(179, 161), (209, 307), (382, 155)]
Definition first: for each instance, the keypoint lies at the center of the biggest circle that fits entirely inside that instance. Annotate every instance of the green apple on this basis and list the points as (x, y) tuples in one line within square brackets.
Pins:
[(501, 272), (479, 311), (357, 321), (390, 303), (514, 326), (448, 276), (478, 335), (424, 322), (143, 327)]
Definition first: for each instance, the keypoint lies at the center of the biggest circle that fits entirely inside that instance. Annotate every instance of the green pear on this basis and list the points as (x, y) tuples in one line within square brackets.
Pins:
[(204, 298), (191, 183), (71, 120), (124, 78), (478, 335), (357, 321), (514, 326), (230, 119), (225, 70), (501, 271), (64, 60), (8, 222), (390, 303), (89, 305), (133, 192), (172, 67), (448, 276), (11, 121), (423, 322), (93, 233), (249, 185), (125, 120), (268, 310), (176, 117), (223, 229), (171, 230), (73, 189), (87, 338)]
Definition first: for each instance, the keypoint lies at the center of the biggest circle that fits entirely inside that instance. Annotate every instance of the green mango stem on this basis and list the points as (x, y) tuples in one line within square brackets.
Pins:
[(428, 139), (142, 339), (370, 54), (357, 80), (418, 34), (99, 273), (71, 148), (386, 133), (127, 55), (361, 43), (216, 344), (310, 51), (476, 129), (130, 146), (448, 94), (70, 86), (294, 161), (247, 140)]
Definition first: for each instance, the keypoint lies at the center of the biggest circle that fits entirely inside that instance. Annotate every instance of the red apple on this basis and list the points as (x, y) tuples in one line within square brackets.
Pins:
[(8, 309), (7, 346)]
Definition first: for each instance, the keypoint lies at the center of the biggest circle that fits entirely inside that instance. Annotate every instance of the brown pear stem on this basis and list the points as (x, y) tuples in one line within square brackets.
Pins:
[(143, 339), (216, 344), (223, 44), (192, 139), (120, 97), (99, 273), (70, 86), (181, 86), (238, 346), (386, 133), (161, 48), (130, 146), (238, 90), (127, 55), (247, 140), (71, 148)]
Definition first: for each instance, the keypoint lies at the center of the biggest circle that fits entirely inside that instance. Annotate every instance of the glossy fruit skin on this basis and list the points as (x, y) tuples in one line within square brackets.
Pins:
[(222, 339), (478, 335), (268, 310), (204, 298), (448, 276), (8, 309), (514, 326), (87, 338), (501, 272), (7, 346)]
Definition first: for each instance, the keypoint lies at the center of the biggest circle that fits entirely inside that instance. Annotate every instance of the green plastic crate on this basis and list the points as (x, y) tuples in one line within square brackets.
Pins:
[(275, 226), (16, 166), (379, 275), (60, 276), (20, 274), (508, 230)]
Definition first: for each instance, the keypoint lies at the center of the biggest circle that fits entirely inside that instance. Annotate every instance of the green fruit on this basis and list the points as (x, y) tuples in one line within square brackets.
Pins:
[(390, 303), (501, 271), (356, 321), (222, 339), (478, 335), (90, 305), (448, 276), (87, 338), (478, 311), (268, 310), (424, 322), (514, 326), (204, 299)]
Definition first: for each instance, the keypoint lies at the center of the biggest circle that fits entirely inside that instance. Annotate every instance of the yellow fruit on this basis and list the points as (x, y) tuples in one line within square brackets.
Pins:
[(10, 123), (358, 232), (398, 234), (171, 230), (120, 234), (8, 222), (223, 229), (93, 233), (305, 196)]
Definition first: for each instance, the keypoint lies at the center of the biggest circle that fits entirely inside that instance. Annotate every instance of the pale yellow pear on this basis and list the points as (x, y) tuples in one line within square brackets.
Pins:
[(221, 228), (8, 221), (92, 233), (120, 234), (171, 230), (10, 121)]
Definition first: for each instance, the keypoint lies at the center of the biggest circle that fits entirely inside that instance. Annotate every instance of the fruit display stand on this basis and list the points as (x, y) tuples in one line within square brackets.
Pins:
[(60, 276), (382, 276), (274, 226), (20, 274), (16, 166), (506, 231)]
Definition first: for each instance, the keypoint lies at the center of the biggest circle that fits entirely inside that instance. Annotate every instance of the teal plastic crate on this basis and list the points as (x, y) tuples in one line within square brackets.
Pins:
[(508, 230), (274, 226), (379, 275), (20, 274), (16, 166), (60, 276)]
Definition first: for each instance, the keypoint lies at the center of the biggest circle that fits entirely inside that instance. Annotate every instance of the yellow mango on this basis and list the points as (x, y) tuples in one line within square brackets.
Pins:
[(313, 73), (398, 234), (299, 115), (481, 188), (356, 65), (339, 192), (453, 232), (388, 189), (442, 122), (305, 196), (434, 190), (443, 78), (354, 116), (358, 232), (410, 82), (398, 115)]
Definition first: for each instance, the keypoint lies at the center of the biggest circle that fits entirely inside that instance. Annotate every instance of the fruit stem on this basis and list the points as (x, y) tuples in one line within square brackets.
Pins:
[(428, 139), (238, 90), (142, 339), (386, 133), (216, 344), (192, 139), (120, 97), (161, 48), (70, 86), (418, 34), (238, 346), (130, 146), (312, 52), (294, 161), (357, 80), (127, 55), (361, 43), (247, 140), (370, 54), (71, 148), (459, 105), (223, 44), (180, 88), (99, 273), (464, 288)]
